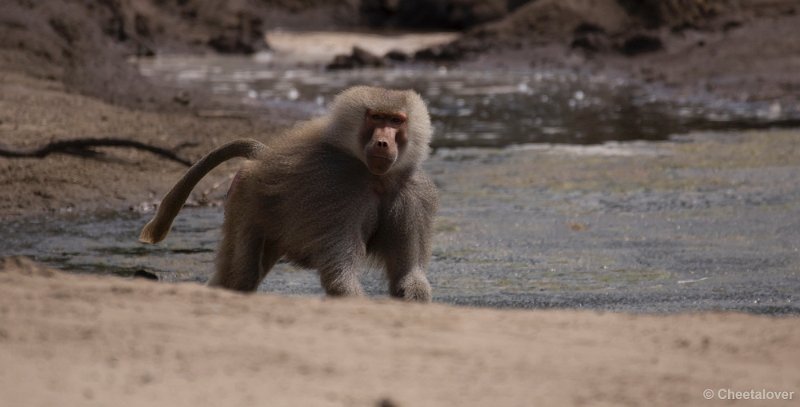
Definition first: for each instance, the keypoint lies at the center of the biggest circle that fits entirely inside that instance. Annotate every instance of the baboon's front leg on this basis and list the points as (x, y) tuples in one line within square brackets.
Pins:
[(341, 280), (408, 283)]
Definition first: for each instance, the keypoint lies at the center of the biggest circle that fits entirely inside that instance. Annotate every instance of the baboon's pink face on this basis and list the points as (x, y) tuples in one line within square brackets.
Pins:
[(383, 136)]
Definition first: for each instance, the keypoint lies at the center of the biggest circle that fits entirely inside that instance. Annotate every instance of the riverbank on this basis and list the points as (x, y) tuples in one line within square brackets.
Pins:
[(34, 112)]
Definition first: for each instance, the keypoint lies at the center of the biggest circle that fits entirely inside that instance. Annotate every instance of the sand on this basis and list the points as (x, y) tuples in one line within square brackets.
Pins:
[(72, 340)]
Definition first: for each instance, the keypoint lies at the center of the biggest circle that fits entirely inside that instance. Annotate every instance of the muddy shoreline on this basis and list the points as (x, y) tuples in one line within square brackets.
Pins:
[(707, 221)]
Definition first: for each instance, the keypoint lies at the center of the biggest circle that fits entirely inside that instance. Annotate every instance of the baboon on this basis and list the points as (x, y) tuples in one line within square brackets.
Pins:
[(329, 194)]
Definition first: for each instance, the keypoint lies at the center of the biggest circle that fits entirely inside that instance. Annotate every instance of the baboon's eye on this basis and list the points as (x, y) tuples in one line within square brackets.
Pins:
[(397, 120)]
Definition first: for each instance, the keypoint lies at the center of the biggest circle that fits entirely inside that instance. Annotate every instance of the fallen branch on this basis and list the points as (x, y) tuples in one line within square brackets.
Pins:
[(83, 147)]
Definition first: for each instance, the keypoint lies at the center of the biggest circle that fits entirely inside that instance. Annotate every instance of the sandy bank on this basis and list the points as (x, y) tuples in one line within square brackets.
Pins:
[(80, 340)]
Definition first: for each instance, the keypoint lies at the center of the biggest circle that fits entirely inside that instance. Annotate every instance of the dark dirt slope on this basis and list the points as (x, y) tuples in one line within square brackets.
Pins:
[(73, 42), (55, 53), (85, 43), (544, 21), (737, 49)]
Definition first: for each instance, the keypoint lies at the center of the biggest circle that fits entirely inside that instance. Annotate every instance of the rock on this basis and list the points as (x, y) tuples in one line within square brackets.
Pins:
[(657, 13), (433, 14), (182, 98), (141, 25), (144, 50), (341, 61), (363, 57), (641, 44), (397, 55), (445, 52), (386, 402), (226, 44), (145, 275), (730, 25), (358, 58), (588, 28), (590, 42), (589, 37), (244, 36)]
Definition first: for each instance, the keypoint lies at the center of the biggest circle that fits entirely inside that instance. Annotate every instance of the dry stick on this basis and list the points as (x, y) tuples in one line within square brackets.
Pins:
[(81, 146)]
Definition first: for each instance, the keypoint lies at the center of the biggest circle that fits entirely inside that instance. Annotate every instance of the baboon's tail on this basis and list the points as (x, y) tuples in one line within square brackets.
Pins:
[(156, 230)]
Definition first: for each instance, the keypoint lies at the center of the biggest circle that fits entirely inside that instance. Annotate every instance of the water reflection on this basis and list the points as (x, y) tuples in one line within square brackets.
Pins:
[(485, 108)]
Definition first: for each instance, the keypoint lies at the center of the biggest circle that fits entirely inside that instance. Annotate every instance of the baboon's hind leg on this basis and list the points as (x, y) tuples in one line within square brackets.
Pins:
[(269, 257), (240, 258)]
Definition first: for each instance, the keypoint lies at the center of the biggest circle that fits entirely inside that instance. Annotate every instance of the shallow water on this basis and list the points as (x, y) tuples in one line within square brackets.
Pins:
[(481, 108), (491, 252), (107, 244)]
